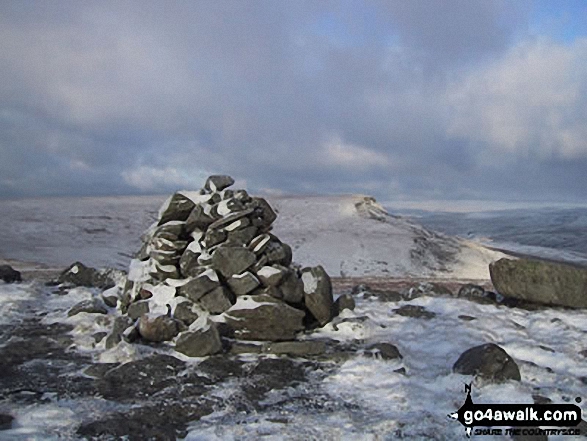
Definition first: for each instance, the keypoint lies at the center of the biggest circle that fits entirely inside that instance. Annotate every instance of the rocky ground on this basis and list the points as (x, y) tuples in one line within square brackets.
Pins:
[(382, 371)]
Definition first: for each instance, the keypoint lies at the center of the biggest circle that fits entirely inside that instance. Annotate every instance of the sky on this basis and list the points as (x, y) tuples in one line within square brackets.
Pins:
[(401, 100)]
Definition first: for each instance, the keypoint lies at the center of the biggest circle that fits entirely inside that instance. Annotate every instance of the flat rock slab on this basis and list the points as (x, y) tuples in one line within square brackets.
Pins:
[(540, 282)]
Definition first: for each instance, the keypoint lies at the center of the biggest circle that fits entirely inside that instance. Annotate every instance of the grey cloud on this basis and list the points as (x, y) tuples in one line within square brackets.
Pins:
[(121, 97)]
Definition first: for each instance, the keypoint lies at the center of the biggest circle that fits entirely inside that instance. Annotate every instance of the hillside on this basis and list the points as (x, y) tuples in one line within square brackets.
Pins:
[(354, 236)]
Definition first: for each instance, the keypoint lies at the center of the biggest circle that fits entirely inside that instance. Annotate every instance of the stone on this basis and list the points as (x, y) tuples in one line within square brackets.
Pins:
[(260, 243), (227, 206), (489, 362), (164, 244), (360, 288), (262, 317), (200, 285), (162, 272), (171, 230), (218, 182), (217, 301), (120, 324), (91, 306), (242, 236), (137, 309), (242, 284), (540, 282), (131, 334), (198, 219), (278, 253), (229, 219), (9, 274), (158, 328), (110, 300), (214, 237), (318, 293), (232, 260), (78, 274), (188, 263), (271, 275), (264, 214), (345, 301), (292, 288), (298, 348), (165, 257), (5, 419), (384, 351), (199, 342), (415, 311), (184, 310), (475, 293), (176, 208)]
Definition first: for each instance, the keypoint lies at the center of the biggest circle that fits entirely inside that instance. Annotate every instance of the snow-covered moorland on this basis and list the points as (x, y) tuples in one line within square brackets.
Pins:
[(59, 380)]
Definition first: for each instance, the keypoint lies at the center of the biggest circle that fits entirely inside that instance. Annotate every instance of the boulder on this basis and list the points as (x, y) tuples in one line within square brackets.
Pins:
[(199, 342), (489, 362), (217, 301), (318, 293), (78, 274), (384, 351), (271, 275), (188, 263), (158, 328), (241, 236), (199, 286), (264, 214), (198, 219), (120, 325), (184, 310), (291, 288), (218, 182), (91, 306), (242, 284), (232, 260), (137, 309), (230, 219), (415, 311), (262, 317), (176, 208), (540, 282), (278, 253), (345, 301), (6, 420), (9, 274)]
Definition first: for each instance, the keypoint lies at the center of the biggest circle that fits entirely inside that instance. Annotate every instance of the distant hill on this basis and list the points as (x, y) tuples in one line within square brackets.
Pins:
[(348, 235), (355, 236)]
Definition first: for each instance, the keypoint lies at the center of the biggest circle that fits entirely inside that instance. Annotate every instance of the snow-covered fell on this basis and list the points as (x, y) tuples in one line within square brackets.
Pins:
[(349, 235), (354, 236)]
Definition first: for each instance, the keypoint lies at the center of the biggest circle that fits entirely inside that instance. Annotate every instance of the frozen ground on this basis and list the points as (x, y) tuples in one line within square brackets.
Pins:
[(348, 235), (59, 383)]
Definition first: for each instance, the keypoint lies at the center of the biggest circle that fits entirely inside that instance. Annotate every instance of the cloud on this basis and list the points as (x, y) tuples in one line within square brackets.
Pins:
[(412, 99), (529, 103), (344, 155), (147, 178)]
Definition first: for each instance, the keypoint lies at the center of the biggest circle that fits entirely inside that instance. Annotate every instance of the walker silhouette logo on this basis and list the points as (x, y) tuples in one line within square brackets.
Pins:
[(521, 419)]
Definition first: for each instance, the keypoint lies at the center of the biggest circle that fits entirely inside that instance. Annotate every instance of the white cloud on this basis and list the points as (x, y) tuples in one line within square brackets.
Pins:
[(343, 154), (531, 102), (148, 178)]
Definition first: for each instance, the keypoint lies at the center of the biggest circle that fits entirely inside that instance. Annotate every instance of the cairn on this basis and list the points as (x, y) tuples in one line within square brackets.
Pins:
[(210, 263)]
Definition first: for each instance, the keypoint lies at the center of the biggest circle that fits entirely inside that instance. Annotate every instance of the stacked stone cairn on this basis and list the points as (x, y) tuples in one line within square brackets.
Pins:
[(209, 266)]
